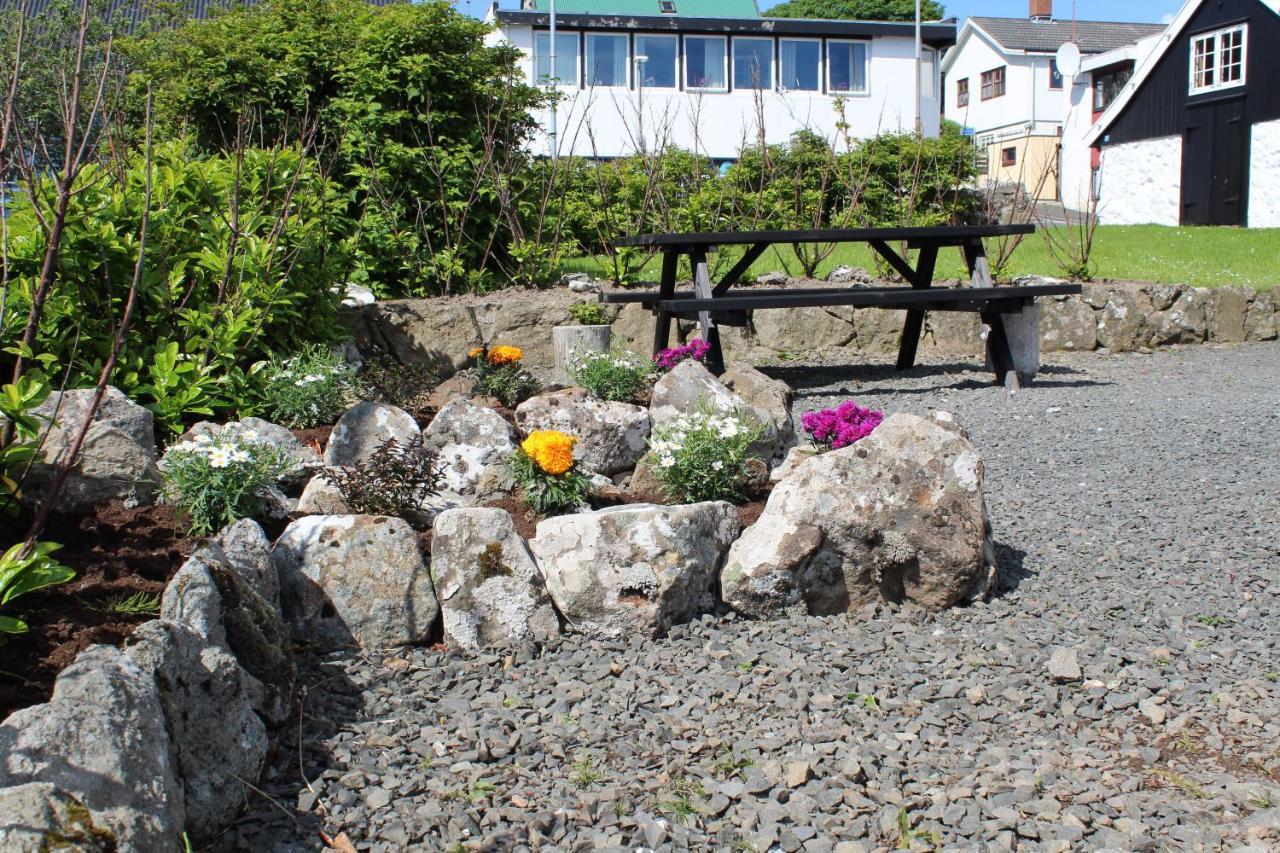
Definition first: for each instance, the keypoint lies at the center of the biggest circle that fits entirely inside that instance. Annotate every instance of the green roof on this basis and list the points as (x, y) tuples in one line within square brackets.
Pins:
[(683, 8)]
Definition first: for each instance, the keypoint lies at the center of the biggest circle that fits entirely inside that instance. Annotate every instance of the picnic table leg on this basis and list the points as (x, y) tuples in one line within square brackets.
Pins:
[(702, 288), (999, 351), (921, 280), (975, 257), (666, 290)]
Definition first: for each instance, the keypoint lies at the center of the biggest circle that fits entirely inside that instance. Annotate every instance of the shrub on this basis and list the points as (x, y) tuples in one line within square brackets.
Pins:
[(696, 350), (544, 469), (613, 376), (397, 479), (311, 388), (841, 426), (23, 571), (703, 455), (16, 404), (588, 314), (500, 374), (215, 481), (406, 386)]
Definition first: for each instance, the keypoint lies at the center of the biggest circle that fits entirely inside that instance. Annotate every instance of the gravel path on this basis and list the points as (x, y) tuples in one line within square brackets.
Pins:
[(1136, 502)]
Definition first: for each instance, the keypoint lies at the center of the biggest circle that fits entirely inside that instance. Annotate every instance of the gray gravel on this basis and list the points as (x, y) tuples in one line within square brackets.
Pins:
[(1135, 499)]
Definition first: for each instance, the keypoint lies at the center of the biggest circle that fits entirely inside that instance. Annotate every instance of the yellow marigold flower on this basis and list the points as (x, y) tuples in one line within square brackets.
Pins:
[(476, 352), (551, 449), (505, 355)]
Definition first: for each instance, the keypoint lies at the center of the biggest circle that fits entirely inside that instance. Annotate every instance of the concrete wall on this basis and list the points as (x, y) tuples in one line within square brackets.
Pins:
[(1264, 176), (1142, 182)]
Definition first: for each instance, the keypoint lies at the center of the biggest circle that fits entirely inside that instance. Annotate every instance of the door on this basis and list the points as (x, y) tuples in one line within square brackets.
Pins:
[(1215, 164)]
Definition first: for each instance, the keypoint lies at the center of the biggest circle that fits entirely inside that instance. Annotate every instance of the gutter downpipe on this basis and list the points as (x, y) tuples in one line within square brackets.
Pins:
[(555, 107)]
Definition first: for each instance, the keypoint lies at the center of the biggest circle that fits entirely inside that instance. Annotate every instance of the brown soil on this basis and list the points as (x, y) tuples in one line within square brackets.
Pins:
[(115, 552), (526, 519), (316, 437)]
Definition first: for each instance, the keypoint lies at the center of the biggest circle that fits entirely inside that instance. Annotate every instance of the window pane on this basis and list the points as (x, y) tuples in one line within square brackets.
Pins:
[(566, 58), (606, 60), (800, 61), (753, 63), (848, 64), (659, 69), (704, 62)]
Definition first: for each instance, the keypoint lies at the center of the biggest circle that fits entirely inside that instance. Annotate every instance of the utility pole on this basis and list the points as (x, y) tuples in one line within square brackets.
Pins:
[(919, 70), (555, 105)]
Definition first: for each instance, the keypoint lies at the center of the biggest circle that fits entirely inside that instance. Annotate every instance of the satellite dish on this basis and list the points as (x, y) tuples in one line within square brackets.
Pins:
[(1068, 60)]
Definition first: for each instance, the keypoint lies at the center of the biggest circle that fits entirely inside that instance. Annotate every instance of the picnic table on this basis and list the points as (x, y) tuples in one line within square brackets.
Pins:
[(718, 304)]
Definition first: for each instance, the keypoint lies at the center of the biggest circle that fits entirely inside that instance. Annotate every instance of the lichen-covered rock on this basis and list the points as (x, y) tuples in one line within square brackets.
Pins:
[(801, 329), (1067, 323), (39, 818), (611, 436), (364, 427), (1123, 325), (768, 395), (117, 460), (1185, 321), (468, 438), (896, 516), (321, 496), (690, 386), (303, 459), (1260, 320), (634, 570), (102, 739), (1228, 306), (490, 590), (358, 579), (248, 551)]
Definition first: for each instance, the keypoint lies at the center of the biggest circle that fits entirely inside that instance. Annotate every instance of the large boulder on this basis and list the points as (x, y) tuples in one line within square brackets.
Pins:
[(218, 740), (303, 459), (690, 385), (117, 460), (896, 516), (103, 740), (354, 579), (433, 333), (363, 428), (490, 590), (321, 496), (611, 436), (1124, 322), (767, 395), (39, 817), (248, 551), (468, 439), (634, 570)]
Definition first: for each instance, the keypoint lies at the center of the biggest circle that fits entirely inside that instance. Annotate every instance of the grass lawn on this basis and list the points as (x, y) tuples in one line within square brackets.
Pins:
[(1198, 256)]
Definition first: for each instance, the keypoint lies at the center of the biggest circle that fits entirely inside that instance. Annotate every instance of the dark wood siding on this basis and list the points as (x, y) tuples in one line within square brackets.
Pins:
[(1162, 107)]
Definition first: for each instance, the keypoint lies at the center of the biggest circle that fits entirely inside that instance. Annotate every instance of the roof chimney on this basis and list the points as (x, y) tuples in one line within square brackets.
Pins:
[(1041, 10)]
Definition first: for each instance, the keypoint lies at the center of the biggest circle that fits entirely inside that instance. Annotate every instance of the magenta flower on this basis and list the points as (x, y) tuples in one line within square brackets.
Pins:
[(841, 426), (696, 349)]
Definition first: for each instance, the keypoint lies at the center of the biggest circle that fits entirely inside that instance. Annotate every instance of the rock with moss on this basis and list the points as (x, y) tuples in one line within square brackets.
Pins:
[(611, 436), (490, 590), (468, 438), (39, 817)]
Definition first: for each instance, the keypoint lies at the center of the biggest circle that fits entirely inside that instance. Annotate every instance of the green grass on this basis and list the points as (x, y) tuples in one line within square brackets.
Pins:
[(1205, 257)]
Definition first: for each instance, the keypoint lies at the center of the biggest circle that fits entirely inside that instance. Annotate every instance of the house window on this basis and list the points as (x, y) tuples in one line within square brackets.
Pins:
[(1055, 76), (752, 63), (1217, 59), (1008, 156), (962, 92), (1107, 86), (658, 71), (704, 63), (566, 72), (801, 62), (667, 7), (993, 83), (847, 67), (606, 59)]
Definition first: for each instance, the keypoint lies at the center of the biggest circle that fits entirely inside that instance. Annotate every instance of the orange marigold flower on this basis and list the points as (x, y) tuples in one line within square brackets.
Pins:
[(475, 352), (550, 449), (505, 355)]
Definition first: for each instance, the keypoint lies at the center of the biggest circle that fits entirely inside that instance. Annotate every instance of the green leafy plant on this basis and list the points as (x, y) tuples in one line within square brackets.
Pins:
[(681, 799), (17, 402), (397, 479), (546, 473), (588, 314), (907, 834), (215, 481), (584, 772), (308, 389), (704, 455), (613, 376), (24, 570), (499, 373)]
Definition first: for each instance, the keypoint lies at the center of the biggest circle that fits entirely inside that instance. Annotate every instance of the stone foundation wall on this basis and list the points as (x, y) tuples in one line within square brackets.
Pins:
[(1118, 317)]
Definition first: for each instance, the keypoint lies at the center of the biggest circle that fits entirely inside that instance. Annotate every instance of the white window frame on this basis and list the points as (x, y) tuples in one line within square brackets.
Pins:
[(576, 82), (726, 69), (822, 69), (848, 93), (586, 59), (677, 57), (1214, 37), (733, 64)]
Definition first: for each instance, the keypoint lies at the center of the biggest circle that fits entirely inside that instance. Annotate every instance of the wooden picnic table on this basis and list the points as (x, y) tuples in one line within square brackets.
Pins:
[(717, 304)]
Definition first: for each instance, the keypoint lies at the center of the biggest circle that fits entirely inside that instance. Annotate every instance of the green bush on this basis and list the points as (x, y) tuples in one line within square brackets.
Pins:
[(702, 455), (908, 180), (588, 314), (613, 376), (311, 388), (397, 480), (216, 481)]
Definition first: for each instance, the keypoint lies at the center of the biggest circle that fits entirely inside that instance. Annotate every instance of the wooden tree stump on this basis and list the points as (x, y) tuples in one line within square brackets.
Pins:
[(576, 339)]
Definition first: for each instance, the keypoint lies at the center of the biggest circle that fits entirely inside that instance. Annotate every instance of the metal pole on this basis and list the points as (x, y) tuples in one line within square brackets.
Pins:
[(638, 69), (919, 70), (555, 107)]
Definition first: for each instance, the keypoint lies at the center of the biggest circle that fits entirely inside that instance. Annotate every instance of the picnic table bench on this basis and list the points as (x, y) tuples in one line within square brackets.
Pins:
[(718, 304)]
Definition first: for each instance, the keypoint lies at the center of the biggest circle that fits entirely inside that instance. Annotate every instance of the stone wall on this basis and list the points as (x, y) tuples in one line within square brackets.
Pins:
[(1142, 182), (1120, 317)]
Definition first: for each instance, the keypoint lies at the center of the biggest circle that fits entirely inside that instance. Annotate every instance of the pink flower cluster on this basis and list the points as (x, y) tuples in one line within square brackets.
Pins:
[(696, 349), (841, 426)]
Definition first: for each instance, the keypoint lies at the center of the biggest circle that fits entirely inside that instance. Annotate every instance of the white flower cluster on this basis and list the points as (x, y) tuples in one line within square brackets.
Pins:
[(613, 359), (227, 449), (675, 434)]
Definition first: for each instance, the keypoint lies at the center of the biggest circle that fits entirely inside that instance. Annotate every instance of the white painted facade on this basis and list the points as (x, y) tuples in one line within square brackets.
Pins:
[(1264, 175), (616, 121), (1141, 183), (1029, 105)]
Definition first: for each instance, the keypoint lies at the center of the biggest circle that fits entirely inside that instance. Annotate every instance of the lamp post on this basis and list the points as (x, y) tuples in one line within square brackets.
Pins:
[(919, 70), (638, 66)]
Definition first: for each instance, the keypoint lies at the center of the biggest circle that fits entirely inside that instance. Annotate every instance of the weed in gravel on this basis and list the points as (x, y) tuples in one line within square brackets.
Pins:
[(1260, 801), (1273, 676), (1211, 621), (907, 835), (1187, 743), (680, 800), (1182, 783), (732, 767), (865, 701), (584, 772)]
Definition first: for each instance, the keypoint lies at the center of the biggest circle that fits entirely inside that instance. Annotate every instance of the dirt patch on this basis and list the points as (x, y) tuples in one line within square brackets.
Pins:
[(526, 520), (317, 438)]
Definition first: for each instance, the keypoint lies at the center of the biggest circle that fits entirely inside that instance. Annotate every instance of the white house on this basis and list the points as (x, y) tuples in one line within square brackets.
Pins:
[(709, 75), (1003, 86)]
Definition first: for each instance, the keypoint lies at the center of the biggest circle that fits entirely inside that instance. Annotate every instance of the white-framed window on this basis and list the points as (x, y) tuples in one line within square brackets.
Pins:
[(848, 67), (800, 65), (607, 55), (753, 63), (1218, 59), (658, 70), (566, 71), (706, 63)]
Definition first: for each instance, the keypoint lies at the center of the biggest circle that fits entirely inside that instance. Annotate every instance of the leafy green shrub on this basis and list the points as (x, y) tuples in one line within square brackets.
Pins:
[(703, 455), (588, 314), (311, 388), (17, 401), (547, 474), (21, 573), (215, 481), (613, 376), (397, 479), (500, 374)]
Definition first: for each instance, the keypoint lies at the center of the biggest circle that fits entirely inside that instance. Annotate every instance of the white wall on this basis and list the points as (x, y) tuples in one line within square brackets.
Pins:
[(1076, 173), (1027, 98), (606, 122), (1264, 176), (1142, 182)]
